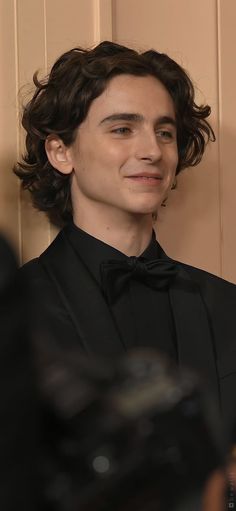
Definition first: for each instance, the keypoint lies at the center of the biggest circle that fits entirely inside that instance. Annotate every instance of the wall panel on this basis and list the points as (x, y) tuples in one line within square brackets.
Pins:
[(8, 128), (68, 23), (227, 119)]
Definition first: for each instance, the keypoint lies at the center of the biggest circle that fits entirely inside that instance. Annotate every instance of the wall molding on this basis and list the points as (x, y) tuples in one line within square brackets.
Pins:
[(102, 20)]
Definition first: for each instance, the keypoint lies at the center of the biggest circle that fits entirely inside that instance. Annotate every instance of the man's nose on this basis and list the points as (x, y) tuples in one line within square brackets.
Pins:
[(148, 147)]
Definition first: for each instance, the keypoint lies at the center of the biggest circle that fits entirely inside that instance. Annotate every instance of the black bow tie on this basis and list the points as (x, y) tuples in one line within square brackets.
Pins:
[(116, 274)]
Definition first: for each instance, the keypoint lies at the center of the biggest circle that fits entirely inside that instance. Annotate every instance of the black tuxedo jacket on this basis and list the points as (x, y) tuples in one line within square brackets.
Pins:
[(72, 312)]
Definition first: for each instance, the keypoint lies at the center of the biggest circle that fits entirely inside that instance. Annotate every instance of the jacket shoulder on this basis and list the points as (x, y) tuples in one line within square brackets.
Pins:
[(33, 277), (210, 283), (34, 269)]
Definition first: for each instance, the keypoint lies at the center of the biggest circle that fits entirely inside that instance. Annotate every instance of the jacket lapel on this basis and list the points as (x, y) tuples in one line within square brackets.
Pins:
[(195, 340), (193, 330), (82, 299)]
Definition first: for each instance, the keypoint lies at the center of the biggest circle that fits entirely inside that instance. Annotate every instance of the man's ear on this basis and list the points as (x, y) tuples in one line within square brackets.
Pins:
[(59, 155)]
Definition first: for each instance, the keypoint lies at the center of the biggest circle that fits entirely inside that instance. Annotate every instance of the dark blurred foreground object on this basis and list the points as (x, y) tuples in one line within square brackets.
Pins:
[(231, 468), (128, 436), (18, 404), (7, 267)]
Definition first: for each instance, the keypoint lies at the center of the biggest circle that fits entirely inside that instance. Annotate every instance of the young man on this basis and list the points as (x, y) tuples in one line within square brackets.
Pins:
[(107, 132)]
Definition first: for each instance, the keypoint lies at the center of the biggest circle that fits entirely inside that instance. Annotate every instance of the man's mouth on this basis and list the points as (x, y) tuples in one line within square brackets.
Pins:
[(146, 178)]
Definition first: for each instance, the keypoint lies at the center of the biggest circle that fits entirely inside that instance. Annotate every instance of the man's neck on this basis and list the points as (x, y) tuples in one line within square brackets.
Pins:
[(130, 237)]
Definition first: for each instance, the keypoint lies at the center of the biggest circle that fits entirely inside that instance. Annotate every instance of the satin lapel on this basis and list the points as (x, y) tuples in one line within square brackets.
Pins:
[(82, 299), (194, 335)]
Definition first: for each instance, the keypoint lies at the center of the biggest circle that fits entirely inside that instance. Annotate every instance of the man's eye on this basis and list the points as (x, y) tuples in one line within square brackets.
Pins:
[(122, 130), (166, 135)]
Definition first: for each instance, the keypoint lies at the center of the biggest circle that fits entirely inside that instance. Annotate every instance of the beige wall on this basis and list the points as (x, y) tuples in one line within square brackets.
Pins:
[(197, 226)]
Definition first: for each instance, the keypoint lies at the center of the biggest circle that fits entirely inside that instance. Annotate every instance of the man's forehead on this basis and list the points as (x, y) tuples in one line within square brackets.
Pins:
[(126, 82), (129, 94)]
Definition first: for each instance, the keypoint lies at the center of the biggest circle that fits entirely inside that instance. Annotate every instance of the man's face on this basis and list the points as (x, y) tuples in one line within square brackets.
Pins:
[(125, 155)]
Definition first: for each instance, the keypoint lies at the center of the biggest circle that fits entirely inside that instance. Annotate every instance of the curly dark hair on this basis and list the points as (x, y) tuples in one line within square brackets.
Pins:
[(62, 100)]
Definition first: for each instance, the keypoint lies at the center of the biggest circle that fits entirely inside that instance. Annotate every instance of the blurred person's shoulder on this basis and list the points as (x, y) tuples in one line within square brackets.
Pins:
[(8, 264)]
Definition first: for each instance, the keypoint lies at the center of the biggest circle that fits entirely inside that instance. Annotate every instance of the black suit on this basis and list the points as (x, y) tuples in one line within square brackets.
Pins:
[(73, 312)]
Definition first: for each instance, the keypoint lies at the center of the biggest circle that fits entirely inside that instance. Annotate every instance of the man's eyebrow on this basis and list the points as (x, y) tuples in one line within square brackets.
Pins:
[(124, 116), (166, 119)]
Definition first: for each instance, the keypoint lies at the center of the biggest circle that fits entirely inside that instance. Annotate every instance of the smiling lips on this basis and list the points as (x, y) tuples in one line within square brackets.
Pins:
[(147, 178)]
